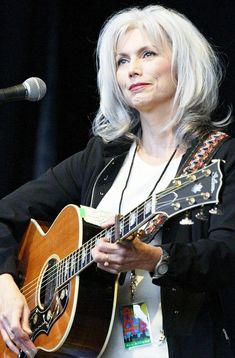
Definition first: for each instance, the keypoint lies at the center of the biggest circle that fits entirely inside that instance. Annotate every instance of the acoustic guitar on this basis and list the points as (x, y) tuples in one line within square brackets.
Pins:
[(72, 303)]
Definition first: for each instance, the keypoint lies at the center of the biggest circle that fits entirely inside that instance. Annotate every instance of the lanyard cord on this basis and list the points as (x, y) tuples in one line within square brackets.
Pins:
[(130, 170), (164, 170)]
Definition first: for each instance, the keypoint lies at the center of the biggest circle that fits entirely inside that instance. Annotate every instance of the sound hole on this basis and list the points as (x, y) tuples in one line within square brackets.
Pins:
[(48, 284)]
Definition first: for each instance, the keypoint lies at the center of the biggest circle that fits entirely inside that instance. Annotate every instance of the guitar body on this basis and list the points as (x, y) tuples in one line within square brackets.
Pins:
[(72, 306), (79, 313)]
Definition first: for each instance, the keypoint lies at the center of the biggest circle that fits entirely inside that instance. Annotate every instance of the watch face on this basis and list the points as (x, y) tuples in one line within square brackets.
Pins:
[(162, 268)]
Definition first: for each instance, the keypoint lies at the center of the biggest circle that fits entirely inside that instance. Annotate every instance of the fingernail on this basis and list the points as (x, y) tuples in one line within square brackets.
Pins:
[(35, 351), (31, 353)]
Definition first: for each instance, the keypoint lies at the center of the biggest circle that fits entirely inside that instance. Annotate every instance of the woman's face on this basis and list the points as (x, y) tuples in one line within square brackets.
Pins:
[(143, 73)]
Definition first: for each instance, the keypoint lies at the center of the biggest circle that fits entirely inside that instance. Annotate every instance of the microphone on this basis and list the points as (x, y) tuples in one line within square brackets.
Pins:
[(32, 89)]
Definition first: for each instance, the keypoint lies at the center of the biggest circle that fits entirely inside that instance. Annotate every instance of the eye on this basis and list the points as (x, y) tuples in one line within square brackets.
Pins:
[(121, 61), (149, 53)]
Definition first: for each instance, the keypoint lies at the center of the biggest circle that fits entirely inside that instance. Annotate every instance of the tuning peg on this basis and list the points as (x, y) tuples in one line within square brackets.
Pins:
[(215, 211), (187, 220), (201, 215)]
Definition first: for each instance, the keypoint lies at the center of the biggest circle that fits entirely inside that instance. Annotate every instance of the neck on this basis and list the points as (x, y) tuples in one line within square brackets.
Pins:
[(157, 145), (155, 139)]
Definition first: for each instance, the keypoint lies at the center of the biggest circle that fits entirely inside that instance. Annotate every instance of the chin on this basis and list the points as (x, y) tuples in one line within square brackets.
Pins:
[(142, 107), (139, 104)]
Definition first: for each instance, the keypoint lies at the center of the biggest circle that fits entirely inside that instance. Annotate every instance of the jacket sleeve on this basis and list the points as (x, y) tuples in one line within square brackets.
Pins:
[(41, 199), (202, 256)]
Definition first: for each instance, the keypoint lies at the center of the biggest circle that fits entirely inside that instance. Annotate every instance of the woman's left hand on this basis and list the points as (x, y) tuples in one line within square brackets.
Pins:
[(125, 256)]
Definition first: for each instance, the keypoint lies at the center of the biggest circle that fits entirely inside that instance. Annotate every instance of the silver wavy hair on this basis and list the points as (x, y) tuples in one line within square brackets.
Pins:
[(194, 64)]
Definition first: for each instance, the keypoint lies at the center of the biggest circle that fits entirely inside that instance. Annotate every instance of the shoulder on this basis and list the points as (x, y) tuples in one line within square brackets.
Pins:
[(226, 149), (109, 149), (96, 153), (226, 152)]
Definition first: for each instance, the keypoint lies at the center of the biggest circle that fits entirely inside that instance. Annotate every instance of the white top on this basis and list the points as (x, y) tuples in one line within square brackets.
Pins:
[(142, 179)]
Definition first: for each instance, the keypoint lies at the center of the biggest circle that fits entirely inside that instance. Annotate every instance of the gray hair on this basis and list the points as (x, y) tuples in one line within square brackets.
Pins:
[(194, 64)]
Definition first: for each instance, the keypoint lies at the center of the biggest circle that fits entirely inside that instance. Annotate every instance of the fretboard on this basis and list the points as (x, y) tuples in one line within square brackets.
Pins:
[(186, 192), (78, 260)]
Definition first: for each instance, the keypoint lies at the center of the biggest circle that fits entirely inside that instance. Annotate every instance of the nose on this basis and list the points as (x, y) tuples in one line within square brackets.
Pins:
[(135, 68)]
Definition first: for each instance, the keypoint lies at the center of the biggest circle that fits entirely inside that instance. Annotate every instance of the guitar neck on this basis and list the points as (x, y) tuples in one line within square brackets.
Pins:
[(184, 193), (80, 259)]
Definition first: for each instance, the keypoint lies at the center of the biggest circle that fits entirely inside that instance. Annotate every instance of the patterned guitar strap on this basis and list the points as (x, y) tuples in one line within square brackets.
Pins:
[(200, 156), (203, 153)]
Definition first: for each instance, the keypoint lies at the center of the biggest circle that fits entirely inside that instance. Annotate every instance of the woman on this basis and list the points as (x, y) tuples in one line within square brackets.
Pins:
[(158, 80)]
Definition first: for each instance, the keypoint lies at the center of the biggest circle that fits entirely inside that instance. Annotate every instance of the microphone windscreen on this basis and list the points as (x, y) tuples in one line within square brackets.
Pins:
[(36, 88)]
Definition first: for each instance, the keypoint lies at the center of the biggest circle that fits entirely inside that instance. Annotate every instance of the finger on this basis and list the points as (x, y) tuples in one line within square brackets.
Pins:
[(107, 224), (8, 341), (16, 324), (103, 241), (106, 262), (11, 339), (10, 333), (25, 321), (23, 341), (107, 269), (21, 333), (104, 245)]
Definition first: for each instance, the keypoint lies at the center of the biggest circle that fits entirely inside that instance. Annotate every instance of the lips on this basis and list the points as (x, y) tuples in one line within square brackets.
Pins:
[(138, 85)]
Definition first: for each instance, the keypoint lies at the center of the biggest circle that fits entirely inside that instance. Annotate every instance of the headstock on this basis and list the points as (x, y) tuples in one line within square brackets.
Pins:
[(187, 191)]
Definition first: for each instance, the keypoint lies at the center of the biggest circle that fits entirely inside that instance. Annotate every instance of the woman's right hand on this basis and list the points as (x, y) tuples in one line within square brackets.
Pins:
[(14, 317)]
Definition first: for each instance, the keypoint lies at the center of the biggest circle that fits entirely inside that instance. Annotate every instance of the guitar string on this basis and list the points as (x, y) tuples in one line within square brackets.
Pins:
[(89, 243), (85, 246), (77, 255), (30, 284), (54, 270), (126, 217)]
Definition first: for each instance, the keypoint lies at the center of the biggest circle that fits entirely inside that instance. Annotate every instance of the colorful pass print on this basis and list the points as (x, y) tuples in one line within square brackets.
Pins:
[(135, 325)]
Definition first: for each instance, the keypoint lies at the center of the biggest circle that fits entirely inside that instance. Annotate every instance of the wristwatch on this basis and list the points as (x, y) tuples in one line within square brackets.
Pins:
[(162, 266)]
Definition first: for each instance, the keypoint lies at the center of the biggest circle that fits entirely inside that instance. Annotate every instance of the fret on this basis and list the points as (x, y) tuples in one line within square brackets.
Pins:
[(126, 229), (108, 233), (63, 272), (70, 265), (86, 255), (60, 272), (148, 208), (83, 256), (89, 255), (66, 270), (74, 263), (122, 228), (140, 215), (58, 275), (133, 219), (73, 268), (95, 241), (79, 259)]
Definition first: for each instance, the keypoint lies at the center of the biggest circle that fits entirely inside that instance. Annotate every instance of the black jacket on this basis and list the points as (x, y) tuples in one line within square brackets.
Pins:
[(197, 291)]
